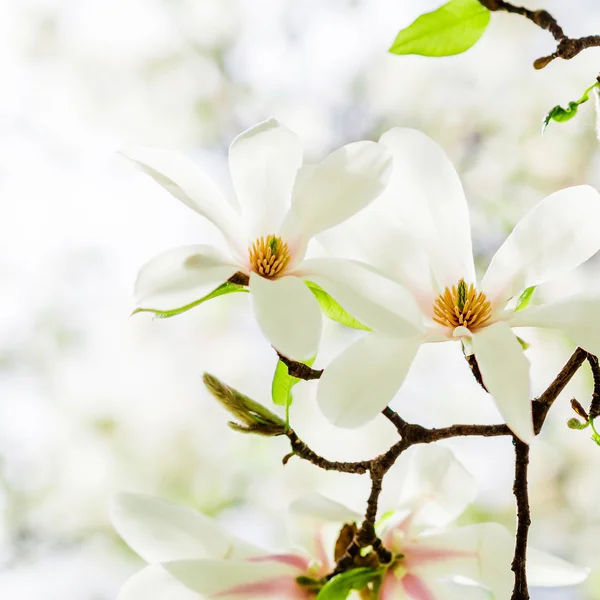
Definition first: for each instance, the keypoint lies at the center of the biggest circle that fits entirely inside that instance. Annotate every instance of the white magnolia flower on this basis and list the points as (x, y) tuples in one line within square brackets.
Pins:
[(191, 557), (421, 238), (432, 556), (282, 207)]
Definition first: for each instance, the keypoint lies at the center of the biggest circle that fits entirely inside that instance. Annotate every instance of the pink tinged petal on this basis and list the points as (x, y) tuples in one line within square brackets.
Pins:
[(505, 371), (160, 531), (154, 583), (545, 570), (392, 588), (321, 508), (185, 180), (480, 553), (337, 188), (360, 382), (181, 275), (431, 202), (280, 588), (416, 588), (560, 233), (288, 314), (436, 486), (264, 161), (230, 579), (294, 560), (576, 317), (376, 301)]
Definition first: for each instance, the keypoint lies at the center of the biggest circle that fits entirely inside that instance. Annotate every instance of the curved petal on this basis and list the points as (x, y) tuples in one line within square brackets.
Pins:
[(481, 553), (181, 275), (359, 383), (545, 570), (185, 180), (321, 508), (288, 314), (161, 531), (375, 300), (560, 233), (577, 317), (154, 583), (263, 162), (337, 188), (436, 485), (430, 199), (505, 371), (237, 580)]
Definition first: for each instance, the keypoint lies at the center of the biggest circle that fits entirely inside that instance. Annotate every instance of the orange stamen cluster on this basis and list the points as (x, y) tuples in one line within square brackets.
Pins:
[(269, 256), (462, 306)]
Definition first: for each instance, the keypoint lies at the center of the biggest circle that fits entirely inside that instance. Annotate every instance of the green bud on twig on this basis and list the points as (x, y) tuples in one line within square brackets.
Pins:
[(252, 417)]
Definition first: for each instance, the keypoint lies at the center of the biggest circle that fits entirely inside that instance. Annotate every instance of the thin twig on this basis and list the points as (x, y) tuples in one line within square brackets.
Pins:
[(594, 411), (521, 492)]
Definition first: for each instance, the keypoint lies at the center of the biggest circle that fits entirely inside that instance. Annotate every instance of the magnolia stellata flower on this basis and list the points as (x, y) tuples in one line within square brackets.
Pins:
[(283, 205), (430, 554), (423, 241), (191, 557)]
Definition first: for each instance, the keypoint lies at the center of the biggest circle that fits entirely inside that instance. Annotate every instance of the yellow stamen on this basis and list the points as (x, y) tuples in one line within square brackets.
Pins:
[(462, 306), (269, 256)]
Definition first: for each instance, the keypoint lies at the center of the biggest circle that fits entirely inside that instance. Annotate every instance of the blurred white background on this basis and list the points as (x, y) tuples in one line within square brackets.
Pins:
[(92, 402)]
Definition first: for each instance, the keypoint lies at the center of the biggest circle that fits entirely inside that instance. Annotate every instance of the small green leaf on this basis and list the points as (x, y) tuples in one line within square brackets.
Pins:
[(577, 424), (283, 382), (340, 586), (525, 298), (333, 310), (225, 288), (525, 345), (451, 29), (561, 115)]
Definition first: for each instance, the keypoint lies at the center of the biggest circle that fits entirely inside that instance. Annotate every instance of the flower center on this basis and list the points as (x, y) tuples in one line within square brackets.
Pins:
[(269, 256), (462, 306)]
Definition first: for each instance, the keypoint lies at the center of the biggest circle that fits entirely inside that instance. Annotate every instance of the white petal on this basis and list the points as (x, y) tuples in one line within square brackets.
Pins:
[(560, 233), (545, 570), (436, 485), (448, 590), (481, 553), (376, 301), (161, 531), (431, 201), (181, 275), (360, 382), (338, 187), (264, 161), (505, 371), (288, 314), (577, 317), (321, 508), (154, 583), (185, 180), (225, 578)]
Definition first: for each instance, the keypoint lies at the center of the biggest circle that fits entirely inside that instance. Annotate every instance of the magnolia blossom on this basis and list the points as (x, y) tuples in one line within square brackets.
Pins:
[(282, 206), (420, 237), (191, 557), (435, 560)]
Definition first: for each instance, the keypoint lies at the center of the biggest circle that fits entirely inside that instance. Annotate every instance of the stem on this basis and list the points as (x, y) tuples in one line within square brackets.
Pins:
[(595, 405), (521, 492)]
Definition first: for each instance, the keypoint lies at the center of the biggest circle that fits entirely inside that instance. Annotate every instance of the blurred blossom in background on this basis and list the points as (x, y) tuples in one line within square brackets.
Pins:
[(93, 402)]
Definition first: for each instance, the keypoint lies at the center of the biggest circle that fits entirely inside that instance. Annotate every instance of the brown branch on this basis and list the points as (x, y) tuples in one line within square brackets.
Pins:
[(566, 48), (521, 492), (594, 411), (239, 278)]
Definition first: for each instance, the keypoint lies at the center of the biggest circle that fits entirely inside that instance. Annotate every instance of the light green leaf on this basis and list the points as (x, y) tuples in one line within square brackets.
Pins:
[(525, 345), (577, 424), (340, 586), (451, 29), (333, 310), (561, 115), (525, 298), (283, 382), (225, 288)]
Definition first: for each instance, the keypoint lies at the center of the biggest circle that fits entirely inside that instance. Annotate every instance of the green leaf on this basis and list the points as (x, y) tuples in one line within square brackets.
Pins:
[(222, 290), (525, 345), (595, 434), (525, 298), (561, 115), (283, 382), (333, 310), (340, 586), (577, 424), (451, 29)]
